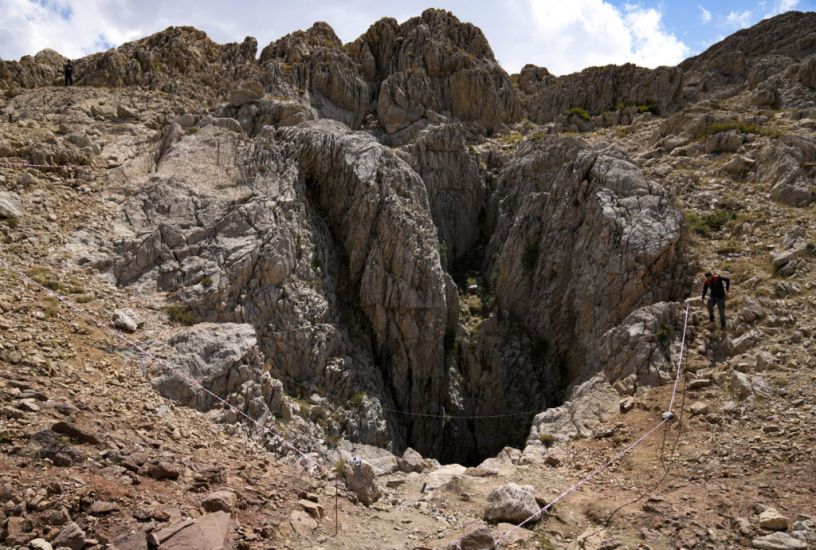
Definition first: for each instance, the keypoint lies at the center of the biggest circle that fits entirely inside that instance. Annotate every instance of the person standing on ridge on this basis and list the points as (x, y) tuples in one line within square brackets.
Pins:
[(720, 286), (69, 73)]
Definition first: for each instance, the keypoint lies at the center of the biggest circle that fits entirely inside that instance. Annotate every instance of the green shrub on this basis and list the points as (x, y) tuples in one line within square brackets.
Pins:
[(650, 107), (530, 256), (179, 314), (207, 281), (53, 282), (511, 138), (579, 111), (744, 127), (546, 439), (356, 399), (709, 222)]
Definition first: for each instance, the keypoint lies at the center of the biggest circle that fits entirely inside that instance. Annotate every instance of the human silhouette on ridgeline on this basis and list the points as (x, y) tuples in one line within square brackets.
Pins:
[(719, 286), (69, 73)]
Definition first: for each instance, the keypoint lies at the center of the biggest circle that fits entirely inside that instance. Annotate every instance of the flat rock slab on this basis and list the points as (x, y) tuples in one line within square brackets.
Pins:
[(209, 532)]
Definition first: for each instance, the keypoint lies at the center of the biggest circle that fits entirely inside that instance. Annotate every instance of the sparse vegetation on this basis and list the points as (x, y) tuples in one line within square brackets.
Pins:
[(180, 315), (744, 127), (12, 222), (579, 111), (511, 138), (709, 222), (207, 281), (357, 399), (546, 439), (53, 282)]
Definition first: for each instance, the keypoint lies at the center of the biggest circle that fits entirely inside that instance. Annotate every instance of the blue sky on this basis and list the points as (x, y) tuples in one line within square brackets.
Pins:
[(564, 36)]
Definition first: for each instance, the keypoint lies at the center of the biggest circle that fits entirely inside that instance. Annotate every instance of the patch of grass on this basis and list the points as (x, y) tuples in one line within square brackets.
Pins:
[(744, 127), (192, 131), (529, 257), (511, 138), (340, 467), (729, 247), (623, 131), (650, 107), (709, 222), (548, 440), (179, 314), (356, 399), (579, 111), (84, 298), (207, 281), (53, 282), (12, 222)]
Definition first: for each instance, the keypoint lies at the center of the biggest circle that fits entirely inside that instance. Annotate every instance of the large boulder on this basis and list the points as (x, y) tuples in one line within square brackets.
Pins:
[(588, 406), (10, 205), (635, 353), (362, 481), (512, 503), (209, 532), (225, 359)]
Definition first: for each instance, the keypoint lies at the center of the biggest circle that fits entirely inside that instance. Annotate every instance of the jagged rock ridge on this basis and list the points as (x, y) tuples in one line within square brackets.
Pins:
[(346, 203)]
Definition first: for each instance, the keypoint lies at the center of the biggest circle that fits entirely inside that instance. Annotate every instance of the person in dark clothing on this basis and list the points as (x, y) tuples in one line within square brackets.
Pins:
[(69, 74), (719, 290)]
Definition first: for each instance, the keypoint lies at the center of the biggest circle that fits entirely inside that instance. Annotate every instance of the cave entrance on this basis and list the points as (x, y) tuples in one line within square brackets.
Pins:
[(500, 373)]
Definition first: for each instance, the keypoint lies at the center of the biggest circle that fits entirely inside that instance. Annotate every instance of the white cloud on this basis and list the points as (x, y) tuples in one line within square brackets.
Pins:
[(562, 36), (781, 6), (738, 19), (705, 15), (567, 37)]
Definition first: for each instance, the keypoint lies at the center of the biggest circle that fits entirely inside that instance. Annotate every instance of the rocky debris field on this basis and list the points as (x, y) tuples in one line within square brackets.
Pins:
[(457, 292)]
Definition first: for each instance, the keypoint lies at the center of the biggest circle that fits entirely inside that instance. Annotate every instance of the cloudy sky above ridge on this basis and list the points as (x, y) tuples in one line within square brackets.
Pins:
[(564, 36)]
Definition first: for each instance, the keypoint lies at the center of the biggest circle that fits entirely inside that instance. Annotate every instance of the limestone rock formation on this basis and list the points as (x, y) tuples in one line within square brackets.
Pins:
[(612, 91), (567, 216), (225, 359)]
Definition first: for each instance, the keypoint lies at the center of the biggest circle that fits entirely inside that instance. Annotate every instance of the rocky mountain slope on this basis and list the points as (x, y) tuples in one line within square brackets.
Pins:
[(391, 249)]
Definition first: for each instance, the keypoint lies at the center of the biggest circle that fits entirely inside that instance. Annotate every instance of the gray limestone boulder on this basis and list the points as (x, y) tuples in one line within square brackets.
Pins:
[(778, 541), (636, 352), (584, 413), (247, 93), (127, 320), (225, 359), (10, 205), (511, 503), (361, 479)]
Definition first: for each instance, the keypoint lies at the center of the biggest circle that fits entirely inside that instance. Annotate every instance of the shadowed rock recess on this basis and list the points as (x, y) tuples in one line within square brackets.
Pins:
[(363, 257)]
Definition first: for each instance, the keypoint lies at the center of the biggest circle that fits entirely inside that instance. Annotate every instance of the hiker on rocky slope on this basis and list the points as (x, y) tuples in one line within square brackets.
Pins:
[(719, 290), (69, 74)]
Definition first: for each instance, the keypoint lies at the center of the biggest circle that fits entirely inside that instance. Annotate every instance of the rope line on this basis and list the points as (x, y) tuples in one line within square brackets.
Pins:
[(679, 362), (38, 166), (147, 353)]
